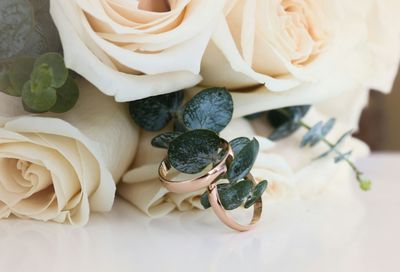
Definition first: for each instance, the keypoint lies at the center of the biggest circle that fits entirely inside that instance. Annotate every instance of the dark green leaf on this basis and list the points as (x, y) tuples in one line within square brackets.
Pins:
[(67, 96), (194, 150), (238, 144), (286, 121), (254, 116), (257, 192), (38, 101), (204, 201), (154, 113), (16, 24), (336, 145), (20, 73), (58, 71), (41, 78), (243, 161), (343, 157), (163, 140), (210, 109), (234, 196)]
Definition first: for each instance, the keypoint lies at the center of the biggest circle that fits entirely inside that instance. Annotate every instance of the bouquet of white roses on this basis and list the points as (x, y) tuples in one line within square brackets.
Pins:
[(257, 98)]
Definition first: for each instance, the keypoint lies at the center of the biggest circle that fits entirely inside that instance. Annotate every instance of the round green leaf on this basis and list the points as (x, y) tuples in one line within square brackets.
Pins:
[(193, 151), (163, 140), (38, 101), (258, 190), (235, 195), (154, 113), (210, 109), (243, 161), (238, 144), (16, 24), (20, 73), (67, 96), (55, 62), (41, 78)]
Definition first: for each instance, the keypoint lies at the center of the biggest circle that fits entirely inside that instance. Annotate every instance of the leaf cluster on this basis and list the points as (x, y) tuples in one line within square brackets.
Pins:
[(195, 144), (44, 84)]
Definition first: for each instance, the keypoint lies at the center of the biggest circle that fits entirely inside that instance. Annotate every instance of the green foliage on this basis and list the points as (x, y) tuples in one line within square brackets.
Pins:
[(238, 144), (27, 33), (233, 196), (210, 109), (286, 121), (163, 140), (194, 150), (318, 132), (154, 113), (67, 96), (243, 161), (40, 100)]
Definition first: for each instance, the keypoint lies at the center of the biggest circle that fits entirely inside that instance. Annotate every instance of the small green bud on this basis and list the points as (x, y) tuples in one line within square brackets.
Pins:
[(365, 182)]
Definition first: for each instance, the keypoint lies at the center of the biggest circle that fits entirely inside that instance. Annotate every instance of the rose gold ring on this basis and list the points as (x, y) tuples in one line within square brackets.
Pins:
[(198, 183), (222, 214)]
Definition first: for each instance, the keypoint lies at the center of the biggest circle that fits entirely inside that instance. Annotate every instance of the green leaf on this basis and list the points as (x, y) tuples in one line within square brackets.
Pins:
[(41, 78), (286, 121), (343, 157), (194, 150), (210, 109), (38, 101), (154, 113), (238, 144), (16, 24), (257, 192), (317, 133), (55, 62), (243, 161), (67, 96), (163, 140), (336, 145), (232, 196), (20, 73)]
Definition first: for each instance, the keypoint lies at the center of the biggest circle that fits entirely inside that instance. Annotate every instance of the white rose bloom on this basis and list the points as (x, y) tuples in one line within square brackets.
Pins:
[(135, 49), (61, 167), (290, 171), (303, 52)]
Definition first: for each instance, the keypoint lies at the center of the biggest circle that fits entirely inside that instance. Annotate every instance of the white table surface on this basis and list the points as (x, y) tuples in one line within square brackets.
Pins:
[(363, 235)]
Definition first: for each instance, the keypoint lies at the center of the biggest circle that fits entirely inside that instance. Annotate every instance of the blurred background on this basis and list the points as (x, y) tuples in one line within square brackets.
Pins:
[(380, 122)]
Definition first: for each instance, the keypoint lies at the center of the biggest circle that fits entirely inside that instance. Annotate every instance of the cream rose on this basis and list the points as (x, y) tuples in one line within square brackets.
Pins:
[(303, 52), (135, 49), (62, 167), (291, 172)]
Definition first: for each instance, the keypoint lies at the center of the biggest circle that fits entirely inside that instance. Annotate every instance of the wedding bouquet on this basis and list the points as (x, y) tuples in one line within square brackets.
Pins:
[(181, 104)]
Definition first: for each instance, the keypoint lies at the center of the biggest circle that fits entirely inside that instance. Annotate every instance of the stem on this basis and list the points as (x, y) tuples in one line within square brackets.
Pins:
[(333, 147)]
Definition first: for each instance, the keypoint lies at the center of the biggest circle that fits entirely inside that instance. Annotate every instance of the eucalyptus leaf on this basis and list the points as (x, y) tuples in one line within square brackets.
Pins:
[(194, 150), (286, 121), (243, 161), (343, 156), (163, 140), (16, 25), (38, 101), (336, 145), (67, 96), (238, 144), (313, 136), (234, 196), (41, 78), (55, 63), (20, 73), (257, 192), (209, 109), (154, 113)]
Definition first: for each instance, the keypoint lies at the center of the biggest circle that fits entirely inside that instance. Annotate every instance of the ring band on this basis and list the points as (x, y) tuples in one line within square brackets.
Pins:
[(222, 214), (195, 184)]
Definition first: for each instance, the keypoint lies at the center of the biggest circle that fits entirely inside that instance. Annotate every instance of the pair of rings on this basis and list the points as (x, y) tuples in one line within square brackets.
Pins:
[(209, 181)]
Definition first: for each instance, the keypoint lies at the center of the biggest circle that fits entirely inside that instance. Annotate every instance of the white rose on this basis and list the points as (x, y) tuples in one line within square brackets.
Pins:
[(135, 49), (290, 171), (278, 53), (62, 168)]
